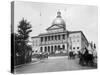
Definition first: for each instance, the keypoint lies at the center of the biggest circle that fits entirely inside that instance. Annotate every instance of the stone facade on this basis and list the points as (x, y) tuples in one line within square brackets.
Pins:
[(58, 39)]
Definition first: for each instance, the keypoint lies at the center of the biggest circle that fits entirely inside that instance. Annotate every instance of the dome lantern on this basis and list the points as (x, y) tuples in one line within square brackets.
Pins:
[(58, 14)]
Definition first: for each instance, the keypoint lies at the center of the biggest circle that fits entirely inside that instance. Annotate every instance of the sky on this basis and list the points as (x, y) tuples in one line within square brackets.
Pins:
[(77, 17)]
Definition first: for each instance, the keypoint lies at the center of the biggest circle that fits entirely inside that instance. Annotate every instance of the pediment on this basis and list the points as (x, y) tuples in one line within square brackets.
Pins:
[(54, 27)]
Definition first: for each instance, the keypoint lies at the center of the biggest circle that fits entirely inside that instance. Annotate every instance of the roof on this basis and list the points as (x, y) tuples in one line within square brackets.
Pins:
[(57, 27), (53, 33), (35, 37), (65, 32)]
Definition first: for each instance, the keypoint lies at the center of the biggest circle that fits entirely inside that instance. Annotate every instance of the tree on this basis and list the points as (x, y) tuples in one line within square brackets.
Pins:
[(24, 28), (15, 50)]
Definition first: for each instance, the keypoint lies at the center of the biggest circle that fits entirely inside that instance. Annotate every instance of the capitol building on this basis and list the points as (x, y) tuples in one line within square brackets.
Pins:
[(59, 40)]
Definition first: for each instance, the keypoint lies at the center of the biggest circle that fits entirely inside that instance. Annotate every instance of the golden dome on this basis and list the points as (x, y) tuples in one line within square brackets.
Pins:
[(58, 20)]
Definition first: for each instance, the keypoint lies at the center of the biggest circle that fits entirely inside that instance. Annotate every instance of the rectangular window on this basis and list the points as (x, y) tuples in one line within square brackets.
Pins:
[(45, 38), (52, 37), (48, 38), (77, 40), (55, 37), (58, 37), (63, 36), (41, 39)]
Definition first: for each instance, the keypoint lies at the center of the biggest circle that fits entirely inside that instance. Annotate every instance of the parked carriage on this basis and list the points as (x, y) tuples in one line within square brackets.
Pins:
[(86, 58)]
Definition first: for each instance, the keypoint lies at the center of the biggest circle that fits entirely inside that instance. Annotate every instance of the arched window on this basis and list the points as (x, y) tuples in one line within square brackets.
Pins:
[(58, 47), (48, 48), (77, 47), (55, 48), (51, 48), (63, 47), (41, 49), (45, 49)]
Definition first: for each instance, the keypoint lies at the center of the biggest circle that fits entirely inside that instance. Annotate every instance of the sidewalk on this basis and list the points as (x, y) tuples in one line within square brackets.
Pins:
[(33, 62)]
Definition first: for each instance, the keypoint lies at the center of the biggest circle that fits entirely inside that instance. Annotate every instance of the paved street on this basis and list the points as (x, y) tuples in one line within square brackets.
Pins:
[(50, 65)]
